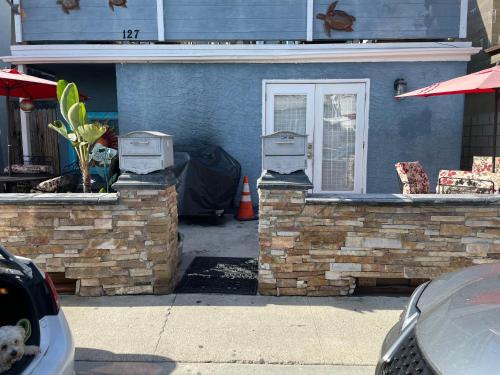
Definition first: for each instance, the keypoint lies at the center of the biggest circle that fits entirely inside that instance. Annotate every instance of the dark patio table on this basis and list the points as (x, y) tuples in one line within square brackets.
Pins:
[(6, 180)]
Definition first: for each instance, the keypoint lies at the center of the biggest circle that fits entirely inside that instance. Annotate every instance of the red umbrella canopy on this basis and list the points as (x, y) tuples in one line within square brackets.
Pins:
[(20, 85), (484, 81)]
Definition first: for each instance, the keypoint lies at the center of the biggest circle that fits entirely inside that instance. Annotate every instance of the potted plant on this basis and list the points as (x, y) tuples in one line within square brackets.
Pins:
[(76, 129)]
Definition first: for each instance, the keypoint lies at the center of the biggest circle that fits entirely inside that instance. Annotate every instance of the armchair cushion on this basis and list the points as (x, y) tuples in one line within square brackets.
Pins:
[(413, 177), (454, 181), (482, 164)]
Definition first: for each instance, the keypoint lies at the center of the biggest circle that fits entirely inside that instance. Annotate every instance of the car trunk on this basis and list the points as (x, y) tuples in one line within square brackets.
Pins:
[(17, 303)]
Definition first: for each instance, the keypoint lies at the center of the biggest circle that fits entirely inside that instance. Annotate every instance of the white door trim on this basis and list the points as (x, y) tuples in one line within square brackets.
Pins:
[(365, 81)]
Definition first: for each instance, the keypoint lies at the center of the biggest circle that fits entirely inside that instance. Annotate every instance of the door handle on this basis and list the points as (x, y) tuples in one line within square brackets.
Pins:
[(310, 152)]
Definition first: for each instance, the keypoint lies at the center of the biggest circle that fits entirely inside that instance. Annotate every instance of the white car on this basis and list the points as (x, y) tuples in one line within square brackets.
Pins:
[(28, 293)]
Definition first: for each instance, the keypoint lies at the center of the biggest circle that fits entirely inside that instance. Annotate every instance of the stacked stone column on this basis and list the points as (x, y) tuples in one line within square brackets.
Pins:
[(292, 260)]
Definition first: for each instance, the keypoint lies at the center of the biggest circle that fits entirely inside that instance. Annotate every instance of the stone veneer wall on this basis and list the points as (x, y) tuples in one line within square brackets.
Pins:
[(319, 246), (123, 243)]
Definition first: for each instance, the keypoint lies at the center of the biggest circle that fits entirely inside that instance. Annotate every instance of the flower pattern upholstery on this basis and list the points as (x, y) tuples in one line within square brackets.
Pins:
[(413, 177), (460, 182), (481, 164)]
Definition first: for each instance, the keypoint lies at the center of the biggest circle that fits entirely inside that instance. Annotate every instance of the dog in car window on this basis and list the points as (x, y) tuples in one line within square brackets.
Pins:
[(12, 344)]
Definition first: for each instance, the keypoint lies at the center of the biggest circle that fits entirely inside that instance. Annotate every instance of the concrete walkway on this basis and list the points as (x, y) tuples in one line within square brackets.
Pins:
[(231, 238), (215, 334)]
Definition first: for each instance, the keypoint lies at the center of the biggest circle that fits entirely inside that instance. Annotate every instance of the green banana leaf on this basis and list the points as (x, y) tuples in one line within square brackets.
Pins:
[(59, 127), (77, 115), (61, 85), (90, 133), (69, 97)]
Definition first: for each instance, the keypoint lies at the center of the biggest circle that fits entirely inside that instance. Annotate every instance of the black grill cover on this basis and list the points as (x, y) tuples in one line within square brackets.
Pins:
[(207, 179)]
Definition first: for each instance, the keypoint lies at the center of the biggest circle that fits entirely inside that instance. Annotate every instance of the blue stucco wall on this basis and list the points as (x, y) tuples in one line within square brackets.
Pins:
[(222, 104)]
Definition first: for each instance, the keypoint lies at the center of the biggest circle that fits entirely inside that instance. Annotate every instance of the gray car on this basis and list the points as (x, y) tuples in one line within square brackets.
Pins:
[(451, 326)]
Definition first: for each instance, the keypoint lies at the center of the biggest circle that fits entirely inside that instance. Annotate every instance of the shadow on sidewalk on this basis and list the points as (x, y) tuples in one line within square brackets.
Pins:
[(103, 362)]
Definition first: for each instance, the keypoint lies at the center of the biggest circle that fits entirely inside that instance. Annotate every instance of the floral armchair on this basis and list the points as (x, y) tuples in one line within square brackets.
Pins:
[(481, 164), (414, 179), (460, 182)]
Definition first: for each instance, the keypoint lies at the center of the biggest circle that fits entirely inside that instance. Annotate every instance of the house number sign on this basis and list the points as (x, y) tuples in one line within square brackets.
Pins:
[(131, 34)]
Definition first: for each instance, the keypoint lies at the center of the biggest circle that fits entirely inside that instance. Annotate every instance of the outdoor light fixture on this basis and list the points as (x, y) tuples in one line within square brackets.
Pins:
[(26, 105), (400, 86)]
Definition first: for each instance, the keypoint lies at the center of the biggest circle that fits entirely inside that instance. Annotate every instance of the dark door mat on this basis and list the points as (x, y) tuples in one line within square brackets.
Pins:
[(220, 275)]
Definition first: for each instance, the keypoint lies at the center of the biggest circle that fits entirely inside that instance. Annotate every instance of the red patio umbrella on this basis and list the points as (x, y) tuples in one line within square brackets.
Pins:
[(19, 85), (484, 81)]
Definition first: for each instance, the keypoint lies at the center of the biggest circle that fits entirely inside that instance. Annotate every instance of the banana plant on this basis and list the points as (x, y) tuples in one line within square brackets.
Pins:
[(76, 129)]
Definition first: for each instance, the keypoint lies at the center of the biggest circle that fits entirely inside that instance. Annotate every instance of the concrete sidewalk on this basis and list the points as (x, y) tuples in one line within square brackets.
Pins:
[(222, 334)]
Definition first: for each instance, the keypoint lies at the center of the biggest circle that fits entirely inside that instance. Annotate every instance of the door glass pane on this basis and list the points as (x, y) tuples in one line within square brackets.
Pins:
[(290, 113), (339, 136)]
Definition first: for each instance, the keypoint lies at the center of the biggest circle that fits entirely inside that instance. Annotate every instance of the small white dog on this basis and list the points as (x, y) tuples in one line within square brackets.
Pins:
[(12, 346)]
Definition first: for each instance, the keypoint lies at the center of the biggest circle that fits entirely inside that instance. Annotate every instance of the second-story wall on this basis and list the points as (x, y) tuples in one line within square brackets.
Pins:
[(242, 20), (95, 20)]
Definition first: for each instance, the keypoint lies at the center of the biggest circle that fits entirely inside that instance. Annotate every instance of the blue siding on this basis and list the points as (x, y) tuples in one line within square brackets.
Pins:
[(222, 104), (235, 19), (94, 20), (394, 19), (211, 20)]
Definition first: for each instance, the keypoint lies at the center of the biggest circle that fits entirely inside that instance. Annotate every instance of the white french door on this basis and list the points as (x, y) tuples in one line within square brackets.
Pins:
[(332, 115), (291, 108)]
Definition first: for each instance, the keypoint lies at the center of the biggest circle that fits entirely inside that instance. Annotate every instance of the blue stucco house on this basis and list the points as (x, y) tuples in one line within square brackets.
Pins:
[(227, 72)]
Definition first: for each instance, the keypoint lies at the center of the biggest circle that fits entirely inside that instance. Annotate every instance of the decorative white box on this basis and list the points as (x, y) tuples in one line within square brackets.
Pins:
[(143, 152)]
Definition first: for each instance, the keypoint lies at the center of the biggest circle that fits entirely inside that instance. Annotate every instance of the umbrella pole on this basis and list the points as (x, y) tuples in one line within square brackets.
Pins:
[(495, 128)]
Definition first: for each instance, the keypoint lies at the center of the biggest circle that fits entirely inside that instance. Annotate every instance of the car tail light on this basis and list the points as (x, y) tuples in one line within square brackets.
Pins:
[(55, 297)]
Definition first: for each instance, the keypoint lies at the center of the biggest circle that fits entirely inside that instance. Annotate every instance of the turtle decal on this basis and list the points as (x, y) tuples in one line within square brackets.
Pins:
[(117, 3), (68, 5), (336, 19)]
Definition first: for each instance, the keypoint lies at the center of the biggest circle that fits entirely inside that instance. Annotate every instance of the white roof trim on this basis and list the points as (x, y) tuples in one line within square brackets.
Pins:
[(255, 53)]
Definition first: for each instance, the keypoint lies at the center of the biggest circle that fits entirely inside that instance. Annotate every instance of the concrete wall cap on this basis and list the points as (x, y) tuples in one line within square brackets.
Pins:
[(59, 198), (405, 199), (275, 181)]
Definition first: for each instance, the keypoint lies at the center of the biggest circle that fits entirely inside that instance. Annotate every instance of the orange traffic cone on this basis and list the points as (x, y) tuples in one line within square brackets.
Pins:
[(245, 212)]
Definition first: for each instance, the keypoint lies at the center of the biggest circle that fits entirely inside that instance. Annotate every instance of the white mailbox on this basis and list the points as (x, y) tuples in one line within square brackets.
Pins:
[(284, 152), (143, 152)]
